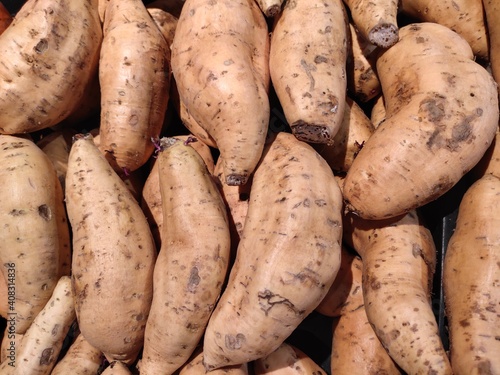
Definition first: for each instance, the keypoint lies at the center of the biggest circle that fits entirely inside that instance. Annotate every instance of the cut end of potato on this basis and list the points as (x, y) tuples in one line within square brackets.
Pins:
[(312, 133), (235, 179), (384, 35), (273, 10)]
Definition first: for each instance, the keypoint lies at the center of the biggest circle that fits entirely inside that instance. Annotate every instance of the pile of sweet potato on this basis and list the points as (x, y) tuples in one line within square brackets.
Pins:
[(184, 182)]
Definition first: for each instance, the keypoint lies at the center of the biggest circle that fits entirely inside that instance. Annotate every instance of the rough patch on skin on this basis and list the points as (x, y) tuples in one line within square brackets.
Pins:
[(384, 35), (272, 11), (235, 179), (311, 133), (234, 342)]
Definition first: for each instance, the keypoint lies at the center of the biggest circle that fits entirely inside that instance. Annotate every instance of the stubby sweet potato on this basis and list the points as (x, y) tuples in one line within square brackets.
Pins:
[(442, 113)]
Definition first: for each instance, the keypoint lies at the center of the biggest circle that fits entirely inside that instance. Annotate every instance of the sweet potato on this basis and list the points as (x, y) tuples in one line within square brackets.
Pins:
[(80, 359), (377, 113), (35, 231), (362, 79), (117, 368), (287, 257), (151, 195), (307, 63), (492, 15), (113, 254), (399, 259), (165, 18), (42, 342), (376, 20), (220, 65), (193, 260), (194, 366), (354, 131), (356, 349), (470, 280), (465, 17), (134, 76), (441, 116), (51, 56), (286, 360)]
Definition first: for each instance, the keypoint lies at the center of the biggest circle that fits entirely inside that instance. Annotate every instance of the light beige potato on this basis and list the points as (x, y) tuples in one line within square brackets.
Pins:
[(287, 257), (52, 56), (80, 359), (35, 234), (193, 260), (41, 344), (113, 254), (307, 63), (471, 269), (220, 64), (442, 114)]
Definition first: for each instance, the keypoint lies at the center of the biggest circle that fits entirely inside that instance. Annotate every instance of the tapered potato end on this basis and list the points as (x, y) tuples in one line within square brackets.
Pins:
[(384, 34)]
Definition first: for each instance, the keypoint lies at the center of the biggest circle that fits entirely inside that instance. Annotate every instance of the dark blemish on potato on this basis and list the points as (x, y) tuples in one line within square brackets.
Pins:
[(16, 212), (45, 212), (433, 109), (416, 250), (268, 299), (142, 25), (420, 39), (308, 70), (194, 279), (464, 323), (55, 330), (374, 283), (320, 202), (484, 368), (234, 342), (320, 59), (41, 46), (139, 317), (46, 357)]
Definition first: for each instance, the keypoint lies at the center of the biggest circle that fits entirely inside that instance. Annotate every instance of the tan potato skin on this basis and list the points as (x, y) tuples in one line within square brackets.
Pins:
[(134, 76), (287, 360), (35, 231), (287, 257), (465, 17), (113, 254), (53, 49), (399, 258), (193, 260), (117, 368), (376, 20), (42, 342), (356, 349), (378, 113), (490, 162), (10, 345), (471, 281), (307, 63), (220, 64), (492, 15), (151, 196), (362, 79), (194, 366), (441, 117), (354, 131), (80, 359)]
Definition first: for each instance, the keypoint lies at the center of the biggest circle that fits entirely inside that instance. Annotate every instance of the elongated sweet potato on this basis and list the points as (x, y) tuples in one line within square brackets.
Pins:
[(286, 360), (35, 231), (134, 75), (113, 254), (470, 280), (194, 366), (80, 359), (307, 64), (356, 349), (376, 20), (42, 342), (220, 65), (399, 258), (287, 257), (492, 15), (441, 116), (192, 262), (53, 52), (465, 17)]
